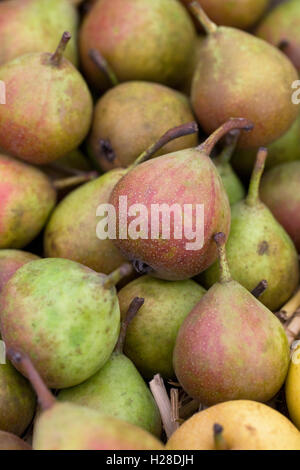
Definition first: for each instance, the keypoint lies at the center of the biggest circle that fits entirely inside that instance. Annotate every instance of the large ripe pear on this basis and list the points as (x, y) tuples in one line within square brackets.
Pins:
[(241, 75), (230, 346), (259, 248), (65, 316)]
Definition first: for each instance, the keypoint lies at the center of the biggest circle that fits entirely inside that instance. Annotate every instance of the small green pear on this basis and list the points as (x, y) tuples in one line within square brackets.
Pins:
[(118, 389)]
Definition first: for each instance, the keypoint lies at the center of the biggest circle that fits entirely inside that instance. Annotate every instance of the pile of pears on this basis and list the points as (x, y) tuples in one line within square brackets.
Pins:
[(116, 333)]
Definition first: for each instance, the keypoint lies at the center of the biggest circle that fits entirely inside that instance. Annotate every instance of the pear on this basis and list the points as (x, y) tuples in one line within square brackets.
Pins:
[(193, 62), (10, 442), (283, 150), (150, 109), (173, 182), (292, 387), (17, 401), (35, 26), (11, 261), (259, 248), (27, 198), (247, 425), (118, 389), (65, 316), (151, 335), (67, 426), (240, 14), (280, 192), (232, 58), (230, 346), (233, 186), (153, 44), (282, 25), (42, 122), (75, 238)]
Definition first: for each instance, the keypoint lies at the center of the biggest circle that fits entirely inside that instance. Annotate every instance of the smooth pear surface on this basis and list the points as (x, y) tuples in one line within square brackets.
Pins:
[(292, 388)]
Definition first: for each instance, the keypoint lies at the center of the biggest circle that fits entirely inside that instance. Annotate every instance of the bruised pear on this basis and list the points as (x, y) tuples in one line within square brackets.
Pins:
[(281, 27), (148, 40), (230, 346), (48, 108), (280, 192), (11, 261), (35, 26), (234, 68), (133, 115), (65, 316), (27, 198), (259, 248), (81, 238), (187, 184), (67, 426), (118, 389)]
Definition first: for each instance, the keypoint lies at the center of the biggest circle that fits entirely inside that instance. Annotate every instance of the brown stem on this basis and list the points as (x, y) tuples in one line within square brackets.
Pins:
[(133, 309), (231, 124), (260, 289), (171, 134), (208, 25), (56, 58), (292, 328), (253, 192), (175, 407), (103, 66), (117, 275), (75, 180), (45, 397), (160, 395), (288, 310), (220, 443)]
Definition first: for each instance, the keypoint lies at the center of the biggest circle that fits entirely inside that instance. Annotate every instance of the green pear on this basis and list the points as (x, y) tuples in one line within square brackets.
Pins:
[(259, 248), (151, 335), (65, 316), (118, 389)]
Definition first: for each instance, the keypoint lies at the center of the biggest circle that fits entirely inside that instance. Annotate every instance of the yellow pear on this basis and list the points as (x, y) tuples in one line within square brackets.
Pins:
[(292, 389), (236, 425)]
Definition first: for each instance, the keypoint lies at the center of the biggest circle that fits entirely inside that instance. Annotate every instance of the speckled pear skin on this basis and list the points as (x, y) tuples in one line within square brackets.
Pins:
[(285, 149), (44, 122), (27, 198), (150, 109), (58, 312), (280, 192), (151, 335), (240, 14), (153, 44), (247, 425), (9, 441), (217, 93), (118, 390), (17, 401), (71, 231), (283, 23), (66, 426), (231, 347), (36, 26), (193, 179), (11, 261)]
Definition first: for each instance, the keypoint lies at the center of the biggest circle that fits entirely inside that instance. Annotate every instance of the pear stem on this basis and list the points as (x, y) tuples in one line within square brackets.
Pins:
[(133, 309), (288, 310), (220, 240), (45, 397), (230, 125), (260, 289), (208, 25), (253, 192), (171, 134), (220, 443), (161, 397), (74, 180), (56, 58), (103, 66), (229, 149), (116, 276)]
